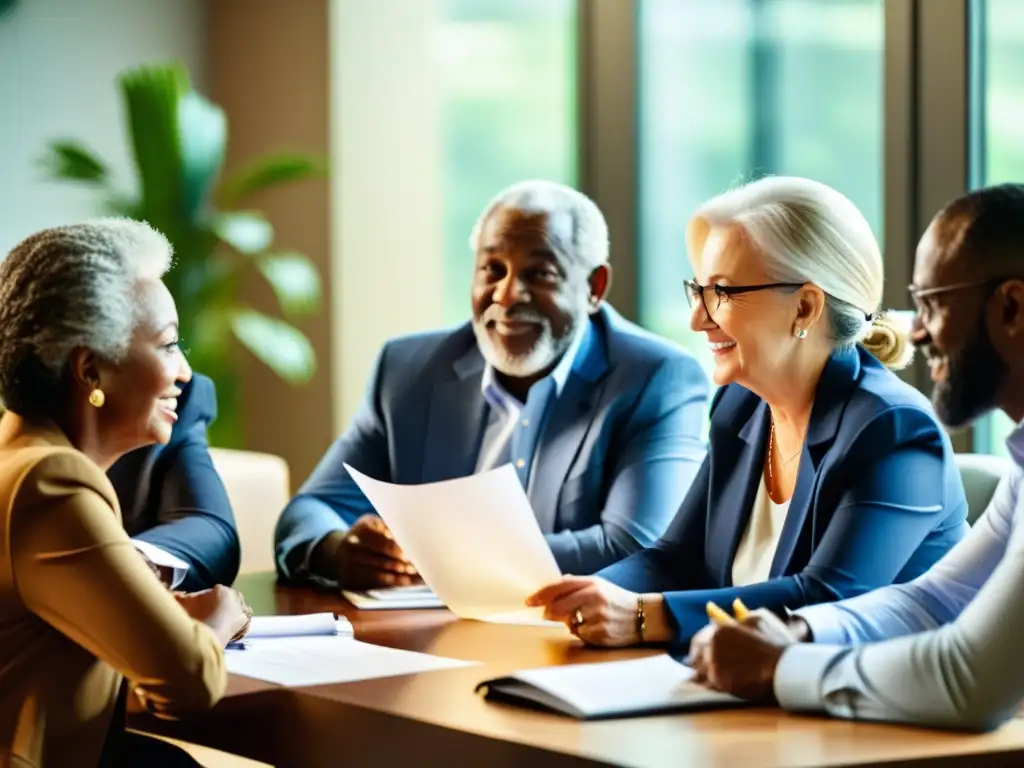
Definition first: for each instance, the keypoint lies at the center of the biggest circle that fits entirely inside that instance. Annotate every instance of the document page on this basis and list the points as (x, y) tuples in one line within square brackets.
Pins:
[(474, 540), (319, 660)]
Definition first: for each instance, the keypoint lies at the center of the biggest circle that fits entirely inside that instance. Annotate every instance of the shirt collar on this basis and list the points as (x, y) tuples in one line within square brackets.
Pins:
[(492, 389), (1015, 444)]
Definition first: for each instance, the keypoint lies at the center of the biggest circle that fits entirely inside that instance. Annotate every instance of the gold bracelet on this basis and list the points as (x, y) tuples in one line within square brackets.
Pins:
[(641, 617)]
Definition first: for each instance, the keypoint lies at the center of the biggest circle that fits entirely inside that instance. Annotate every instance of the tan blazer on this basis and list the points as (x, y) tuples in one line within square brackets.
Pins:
[(79, 609)]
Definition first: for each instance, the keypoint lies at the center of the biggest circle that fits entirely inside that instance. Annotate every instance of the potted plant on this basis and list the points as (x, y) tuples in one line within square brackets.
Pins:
[(178, 140)]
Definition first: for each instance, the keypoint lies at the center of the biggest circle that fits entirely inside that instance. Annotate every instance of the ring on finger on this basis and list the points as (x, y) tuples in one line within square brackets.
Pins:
[(353, 538), (577, 619)]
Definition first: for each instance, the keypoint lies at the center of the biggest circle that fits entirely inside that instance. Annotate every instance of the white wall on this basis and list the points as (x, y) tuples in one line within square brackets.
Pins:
[(388, 265), (58, 64)]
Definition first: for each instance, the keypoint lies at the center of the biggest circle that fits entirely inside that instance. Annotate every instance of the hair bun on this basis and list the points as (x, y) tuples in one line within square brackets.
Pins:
[(889, 341)]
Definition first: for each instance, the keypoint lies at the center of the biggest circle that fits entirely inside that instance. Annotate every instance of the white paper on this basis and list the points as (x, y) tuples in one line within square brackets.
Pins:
[(297, 626), (475, 540), (299, 661), (623, 686)]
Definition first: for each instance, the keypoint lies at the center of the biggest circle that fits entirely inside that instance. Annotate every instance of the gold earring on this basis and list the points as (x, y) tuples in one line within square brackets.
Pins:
[(97, 398)]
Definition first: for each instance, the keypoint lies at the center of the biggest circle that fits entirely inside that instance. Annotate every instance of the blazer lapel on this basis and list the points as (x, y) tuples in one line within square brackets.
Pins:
[(736, 469), (837, 383), (565, 427), (455, 424)]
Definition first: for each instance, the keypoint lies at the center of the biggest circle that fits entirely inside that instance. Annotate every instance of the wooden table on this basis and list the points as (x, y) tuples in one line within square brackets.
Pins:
[(436, 718)]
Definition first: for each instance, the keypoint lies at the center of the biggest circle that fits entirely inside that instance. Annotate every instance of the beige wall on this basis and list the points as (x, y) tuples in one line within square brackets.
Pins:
[(268, 69)]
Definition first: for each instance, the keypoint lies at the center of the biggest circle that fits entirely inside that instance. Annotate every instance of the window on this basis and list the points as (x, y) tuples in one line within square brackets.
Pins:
[(997, 114), (508, 111), (731, 90)]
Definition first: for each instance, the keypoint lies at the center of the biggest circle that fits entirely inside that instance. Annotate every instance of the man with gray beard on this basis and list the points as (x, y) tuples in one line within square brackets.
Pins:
[(601, 420)]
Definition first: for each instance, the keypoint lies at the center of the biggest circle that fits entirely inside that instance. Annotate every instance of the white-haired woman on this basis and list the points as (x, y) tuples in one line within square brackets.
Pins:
[(826, 475), (89, 369)]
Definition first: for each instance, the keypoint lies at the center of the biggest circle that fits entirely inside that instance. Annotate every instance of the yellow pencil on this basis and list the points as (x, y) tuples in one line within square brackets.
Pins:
[(740, 610), (717, 615)]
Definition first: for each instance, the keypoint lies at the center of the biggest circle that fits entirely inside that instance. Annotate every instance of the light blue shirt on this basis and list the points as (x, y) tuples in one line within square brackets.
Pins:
[(513, 427), (951, 654), (512, 430)]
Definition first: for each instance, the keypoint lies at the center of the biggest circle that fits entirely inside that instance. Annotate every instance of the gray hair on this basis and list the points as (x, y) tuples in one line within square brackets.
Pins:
[(65, 288), (589, 246), (807, 232)]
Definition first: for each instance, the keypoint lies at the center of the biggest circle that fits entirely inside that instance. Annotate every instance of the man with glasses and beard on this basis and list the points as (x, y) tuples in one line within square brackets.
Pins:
[(942, 650), (601, 420)]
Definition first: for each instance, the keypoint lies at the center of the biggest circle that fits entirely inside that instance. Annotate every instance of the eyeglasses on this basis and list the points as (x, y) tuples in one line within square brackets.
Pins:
[(719, 292), (926, 299)]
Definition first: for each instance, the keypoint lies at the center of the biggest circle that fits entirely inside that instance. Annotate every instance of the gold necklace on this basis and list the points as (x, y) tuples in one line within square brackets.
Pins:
[(771, 452)]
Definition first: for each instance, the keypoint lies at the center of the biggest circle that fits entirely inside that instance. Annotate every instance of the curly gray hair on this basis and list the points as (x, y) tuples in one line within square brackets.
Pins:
[(69, 287), (589, 247)]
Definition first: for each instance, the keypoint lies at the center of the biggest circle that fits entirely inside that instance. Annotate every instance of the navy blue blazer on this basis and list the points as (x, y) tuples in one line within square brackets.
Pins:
[(878, 500), (172, 497), (616, 454)]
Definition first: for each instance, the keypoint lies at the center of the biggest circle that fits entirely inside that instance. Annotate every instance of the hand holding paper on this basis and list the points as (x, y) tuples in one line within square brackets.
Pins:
[(474, 540)]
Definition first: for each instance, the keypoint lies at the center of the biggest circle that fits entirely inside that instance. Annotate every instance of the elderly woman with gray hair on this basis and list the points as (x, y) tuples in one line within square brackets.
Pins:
[(826, 476), (89, 369)]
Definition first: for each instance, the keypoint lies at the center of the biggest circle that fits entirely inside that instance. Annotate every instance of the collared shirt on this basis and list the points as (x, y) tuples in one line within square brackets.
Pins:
[(513, 427), (951, 655)]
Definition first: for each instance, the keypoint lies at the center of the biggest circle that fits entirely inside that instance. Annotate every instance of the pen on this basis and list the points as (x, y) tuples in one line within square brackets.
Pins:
[(740, 610), (717, 615)]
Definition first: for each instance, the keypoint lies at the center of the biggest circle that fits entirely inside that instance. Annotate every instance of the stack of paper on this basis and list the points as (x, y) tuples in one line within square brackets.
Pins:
[(394, 599)]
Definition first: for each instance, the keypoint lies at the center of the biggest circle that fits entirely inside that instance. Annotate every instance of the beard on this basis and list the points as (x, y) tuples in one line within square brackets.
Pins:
[(544, 353), (974, 375)]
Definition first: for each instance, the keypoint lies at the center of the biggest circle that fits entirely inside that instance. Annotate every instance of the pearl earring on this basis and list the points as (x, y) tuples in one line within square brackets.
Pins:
[(97, 398), (801, 333)]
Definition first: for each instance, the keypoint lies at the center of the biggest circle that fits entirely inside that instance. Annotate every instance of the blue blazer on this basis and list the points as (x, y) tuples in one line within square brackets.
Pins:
[(878, 500), (616, 455), (172, 497)]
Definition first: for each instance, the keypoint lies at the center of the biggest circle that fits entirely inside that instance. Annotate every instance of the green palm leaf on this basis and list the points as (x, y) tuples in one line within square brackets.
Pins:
[(294, 279), (280, 346), (270, 171), (73, 161)]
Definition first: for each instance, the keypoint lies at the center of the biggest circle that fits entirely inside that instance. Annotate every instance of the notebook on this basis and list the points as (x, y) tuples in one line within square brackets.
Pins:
[(652, 685), (310, 624), (394, 599)]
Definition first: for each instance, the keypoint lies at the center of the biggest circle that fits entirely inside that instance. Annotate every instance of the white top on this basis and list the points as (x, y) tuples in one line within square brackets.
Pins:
[(950, 650), (756, 551)]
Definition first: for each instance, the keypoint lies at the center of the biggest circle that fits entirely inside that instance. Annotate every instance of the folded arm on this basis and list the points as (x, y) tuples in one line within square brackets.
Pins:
[(76, 569), (652, 470), (195, 521)]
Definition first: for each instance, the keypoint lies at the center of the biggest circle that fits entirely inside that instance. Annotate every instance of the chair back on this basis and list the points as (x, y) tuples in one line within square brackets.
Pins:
[(258, 487), (981, 474)]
